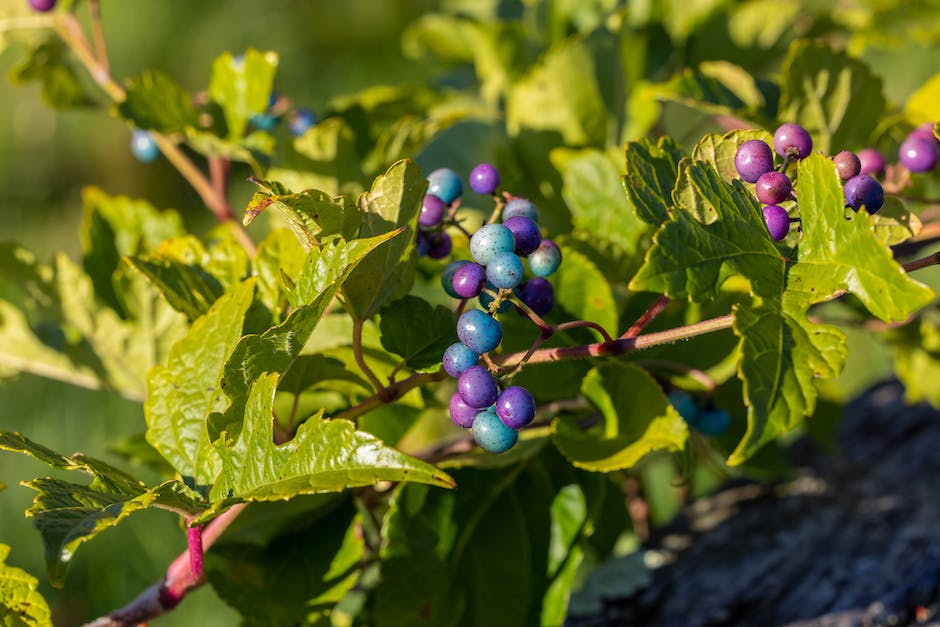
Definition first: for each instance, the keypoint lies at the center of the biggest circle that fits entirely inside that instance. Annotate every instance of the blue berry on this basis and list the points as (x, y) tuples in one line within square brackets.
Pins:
[(919, 153), (526, 233), (515, 407), (863, 190), (445, 184), (460, 413), (457, 358), (772, 187), (777, 221), (520, 207), (847, 164), (478, 331), (477, 387), (491, 434), (447, 277), (505, 270), (792, 139), (484, 179), (301, 121), (546, 259), (684, 404), (712, 422), (752, 159), (538, 295), (264, 121), (468, 280), (872, 162), (489, 240), (143, 147)]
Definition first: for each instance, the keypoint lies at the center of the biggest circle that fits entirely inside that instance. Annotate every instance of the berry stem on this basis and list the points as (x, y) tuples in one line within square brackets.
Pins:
[(647, 317), (97, 33)]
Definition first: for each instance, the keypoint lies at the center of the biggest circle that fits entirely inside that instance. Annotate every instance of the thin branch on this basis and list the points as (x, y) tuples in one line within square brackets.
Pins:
[(390, 393), (923, 262), (97, 33), (647, 317)]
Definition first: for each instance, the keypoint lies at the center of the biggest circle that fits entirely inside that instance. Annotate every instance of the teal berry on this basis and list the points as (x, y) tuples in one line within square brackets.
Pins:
[(546, 259), (264, 121), (143, 147), (712, 422), (490, 240), (445, 184), (520, 207), (478, 331), (684, 404), (491, 434), (505, 270), (447, 277)]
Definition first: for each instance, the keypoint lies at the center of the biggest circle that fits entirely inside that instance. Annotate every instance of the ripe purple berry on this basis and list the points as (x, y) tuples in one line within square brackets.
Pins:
[(863, 190), (515, 407), (447, 277), (847, 164), (491, 434), (925, 130), (752, 159), (777, 221), (919, 153), (872, 162), (461, 413), (538, 295), (484, 179), (440, 245), (477, 387), (468, 280), (526, 233), (772, 187), (792, 139), (42, 5), (432, 211)]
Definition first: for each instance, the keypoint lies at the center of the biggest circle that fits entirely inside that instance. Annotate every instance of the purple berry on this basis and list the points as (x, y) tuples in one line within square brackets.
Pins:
[(919, 153), (515, 407), (477, 387), (777, 221), (526, 233), (520, 207), (461, 413), (752, 159), (538, 295), (489, 240), (432, 211), (447, 277), (484, 179), (792, 139), (457, 358), (505, 270), (445, 184), (546, 259), (440, 245), (772, 187), (42, 5), (847, 164), (872, 162), (422, 243), (491, 434), (468, 280), (925, 130), (863, 190), (478, 331)]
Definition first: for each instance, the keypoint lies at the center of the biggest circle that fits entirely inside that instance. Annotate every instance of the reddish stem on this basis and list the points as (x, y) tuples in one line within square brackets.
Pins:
[(647, 317)]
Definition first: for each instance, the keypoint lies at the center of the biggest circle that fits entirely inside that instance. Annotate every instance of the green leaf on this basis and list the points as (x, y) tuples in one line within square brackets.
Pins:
[(416, 332), (49, 63), (921, 106), (718, 151), (638, 420), (838, 99), (156, 102), (894, 223), (185, 391), (277, 265), (323, 456), (560, 94), (242, 87), (392, 203), (255, 149), (329, 160), (582, 290), (21, 604), (68, 514), (650, 177)]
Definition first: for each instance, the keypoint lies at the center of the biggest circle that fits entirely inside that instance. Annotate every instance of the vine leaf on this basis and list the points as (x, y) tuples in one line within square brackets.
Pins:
[(69, 514), (21, 604), (650, 178), (242, 87), (156, 102), (416, 332)]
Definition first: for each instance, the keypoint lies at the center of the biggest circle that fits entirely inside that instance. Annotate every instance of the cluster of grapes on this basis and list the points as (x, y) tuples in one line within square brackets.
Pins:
[(711, 421), (754, 161), (496, 275)]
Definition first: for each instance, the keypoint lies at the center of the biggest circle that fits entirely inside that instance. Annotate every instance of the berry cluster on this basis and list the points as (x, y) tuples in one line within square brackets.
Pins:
[(496, 276), (709, 421), (754, 162)]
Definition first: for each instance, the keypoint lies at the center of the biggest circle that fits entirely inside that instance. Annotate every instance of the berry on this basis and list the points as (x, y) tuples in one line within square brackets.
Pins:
[(486, 300), (440, 245), (477, 387), (919, 153), (484, 179), (457, 358), (520, 207), (792, 139), (863, 190), (301, 120), (468, 280), (264, 121), (505, 270), (684, 404), (447, 277), (490, 240), (42, 5), (515, 407), (478, 331), (925, 130), (712, 422), (772, 187), (538, 295), (546, 259), (872, 162), (847, 164), (525, 232), (777, 221), (752, 159), (143, 147), (432, 211), (445, 184), (460, 413), (491, 434)]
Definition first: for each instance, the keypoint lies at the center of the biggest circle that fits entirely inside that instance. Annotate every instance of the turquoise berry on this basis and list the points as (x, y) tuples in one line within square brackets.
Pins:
[(445, 184), (447, 277), (478, 331), (491, 434), (520, 207), (684, 404), (143, 147), (505, 270), (264, 121), (457, 358), (546, 259), (489, 240), (712, 422)]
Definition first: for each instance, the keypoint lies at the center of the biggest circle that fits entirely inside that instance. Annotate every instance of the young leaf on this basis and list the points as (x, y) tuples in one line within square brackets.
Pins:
[(417, 333), (638, 420), (21, 604), (49, 63), (242, 87), (155, 101)]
